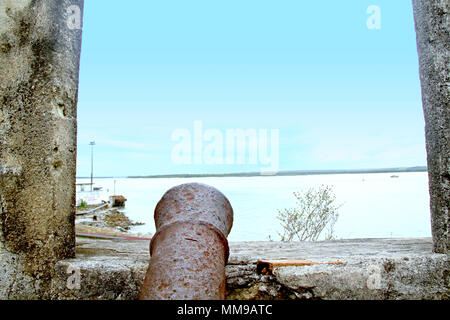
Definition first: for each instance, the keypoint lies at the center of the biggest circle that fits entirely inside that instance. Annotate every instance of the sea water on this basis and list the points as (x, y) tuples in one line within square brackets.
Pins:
[(374, 205)]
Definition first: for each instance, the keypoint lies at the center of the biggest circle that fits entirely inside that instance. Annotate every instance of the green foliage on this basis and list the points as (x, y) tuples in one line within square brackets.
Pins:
[(315, 213), (83, 204)]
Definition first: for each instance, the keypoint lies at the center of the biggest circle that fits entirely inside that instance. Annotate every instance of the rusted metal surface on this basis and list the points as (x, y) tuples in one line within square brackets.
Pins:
[(189, 250)]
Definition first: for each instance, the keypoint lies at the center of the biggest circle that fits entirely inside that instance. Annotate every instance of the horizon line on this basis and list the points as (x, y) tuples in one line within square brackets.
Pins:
[(279, 173)]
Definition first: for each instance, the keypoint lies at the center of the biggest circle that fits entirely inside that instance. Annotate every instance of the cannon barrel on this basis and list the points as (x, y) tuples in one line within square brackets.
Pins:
[(189, 250)]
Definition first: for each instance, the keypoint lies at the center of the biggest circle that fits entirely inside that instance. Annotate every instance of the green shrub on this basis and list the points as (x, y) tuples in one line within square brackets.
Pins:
[(315, 213)]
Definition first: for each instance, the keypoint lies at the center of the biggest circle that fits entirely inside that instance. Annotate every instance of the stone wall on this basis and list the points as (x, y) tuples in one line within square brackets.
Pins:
[(39, 65), (375, 269), (432, 21)]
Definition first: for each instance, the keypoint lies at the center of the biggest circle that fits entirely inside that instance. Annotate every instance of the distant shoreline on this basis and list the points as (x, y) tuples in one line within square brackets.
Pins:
[(281, 173)]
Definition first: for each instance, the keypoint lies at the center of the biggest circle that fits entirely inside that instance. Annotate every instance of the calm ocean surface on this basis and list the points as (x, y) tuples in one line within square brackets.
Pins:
[(374, 205)]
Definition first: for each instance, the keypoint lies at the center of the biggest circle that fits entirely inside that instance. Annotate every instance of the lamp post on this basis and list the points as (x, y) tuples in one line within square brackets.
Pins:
[(92, 144)]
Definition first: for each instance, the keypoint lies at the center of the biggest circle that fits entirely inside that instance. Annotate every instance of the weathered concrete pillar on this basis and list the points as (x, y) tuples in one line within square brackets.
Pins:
[(40, 43), (433, 42)]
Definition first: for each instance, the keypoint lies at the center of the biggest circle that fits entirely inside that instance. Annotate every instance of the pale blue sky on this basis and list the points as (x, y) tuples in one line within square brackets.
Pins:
[(342, 96)]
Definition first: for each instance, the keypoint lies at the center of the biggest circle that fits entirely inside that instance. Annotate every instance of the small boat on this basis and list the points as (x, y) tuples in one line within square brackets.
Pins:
[(395, 176)]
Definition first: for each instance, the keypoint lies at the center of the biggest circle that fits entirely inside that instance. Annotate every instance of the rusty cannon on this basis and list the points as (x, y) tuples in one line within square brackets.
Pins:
[(189, 250)]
